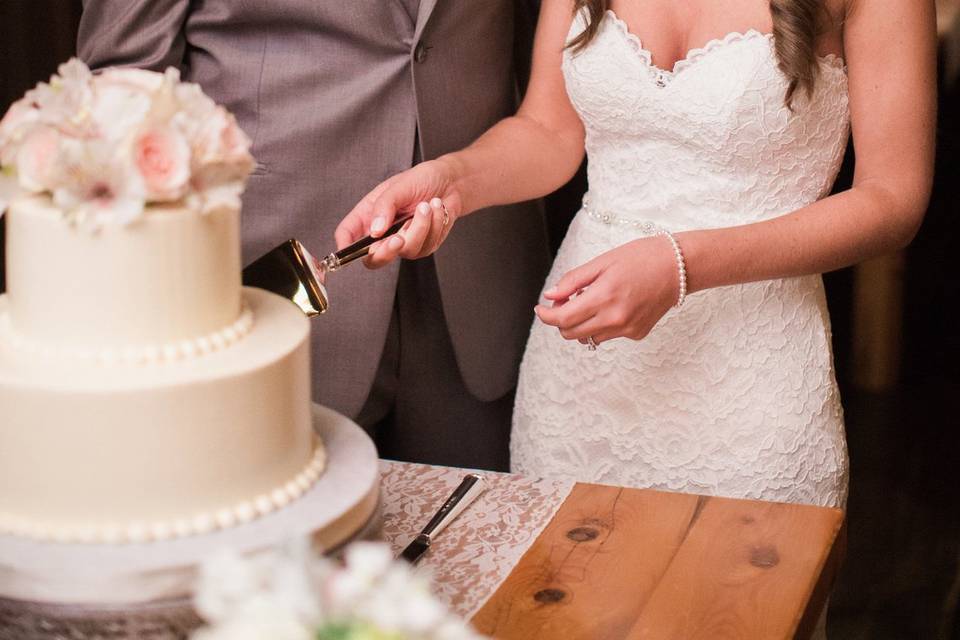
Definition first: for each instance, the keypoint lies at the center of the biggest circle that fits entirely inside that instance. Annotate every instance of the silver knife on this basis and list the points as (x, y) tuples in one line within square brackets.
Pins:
[(471, 487)]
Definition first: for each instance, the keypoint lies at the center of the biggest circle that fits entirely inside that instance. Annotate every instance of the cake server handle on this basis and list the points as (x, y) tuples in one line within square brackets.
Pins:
[(360, 248)]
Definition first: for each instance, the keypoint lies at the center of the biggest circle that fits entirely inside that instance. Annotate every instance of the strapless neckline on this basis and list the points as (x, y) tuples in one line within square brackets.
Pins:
[(662, 75)]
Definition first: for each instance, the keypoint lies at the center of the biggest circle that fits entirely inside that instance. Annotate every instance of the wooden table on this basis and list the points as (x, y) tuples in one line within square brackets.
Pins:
[(617, 563)]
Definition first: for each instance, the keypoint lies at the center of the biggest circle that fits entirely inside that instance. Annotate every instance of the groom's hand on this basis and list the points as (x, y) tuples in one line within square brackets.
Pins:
[(422, 191)]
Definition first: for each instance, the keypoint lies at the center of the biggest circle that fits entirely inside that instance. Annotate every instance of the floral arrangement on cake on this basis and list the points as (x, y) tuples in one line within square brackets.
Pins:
[(104, 146), (291, 593)]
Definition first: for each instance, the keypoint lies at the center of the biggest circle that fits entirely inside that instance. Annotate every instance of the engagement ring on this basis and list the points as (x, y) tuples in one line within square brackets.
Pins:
[(591, 343), (446, 215)]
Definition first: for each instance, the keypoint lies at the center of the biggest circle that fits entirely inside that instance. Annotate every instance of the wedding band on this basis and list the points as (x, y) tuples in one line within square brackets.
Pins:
[(591, 343), (446, 215)]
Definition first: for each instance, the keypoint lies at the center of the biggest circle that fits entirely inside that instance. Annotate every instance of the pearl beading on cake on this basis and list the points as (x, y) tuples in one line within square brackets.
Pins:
[(134, 355), (205, 522)]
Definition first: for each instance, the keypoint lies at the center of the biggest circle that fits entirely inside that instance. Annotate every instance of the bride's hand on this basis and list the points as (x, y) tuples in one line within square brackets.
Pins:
[(621, 293), (424, 191)]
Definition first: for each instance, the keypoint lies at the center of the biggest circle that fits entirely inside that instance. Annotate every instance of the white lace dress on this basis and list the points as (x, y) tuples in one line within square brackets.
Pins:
[(733, 394)]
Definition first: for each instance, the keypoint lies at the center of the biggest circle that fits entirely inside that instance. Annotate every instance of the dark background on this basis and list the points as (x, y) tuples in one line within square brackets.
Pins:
[(901, 578)]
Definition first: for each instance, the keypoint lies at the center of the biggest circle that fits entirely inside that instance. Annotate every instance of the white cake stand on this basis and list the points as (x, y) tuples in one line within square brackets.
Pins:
[(52, 590)]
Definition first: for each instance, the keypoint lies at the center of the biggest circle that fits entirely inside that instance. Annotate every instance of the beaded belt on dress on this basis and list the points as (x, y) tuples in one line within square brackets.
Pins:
[(649, 229), (605, 217)]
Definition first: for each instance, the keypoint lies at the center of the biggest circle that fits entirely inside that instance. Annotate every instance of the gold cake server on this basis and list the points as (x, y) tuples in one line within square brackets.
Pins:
[(289, 270)]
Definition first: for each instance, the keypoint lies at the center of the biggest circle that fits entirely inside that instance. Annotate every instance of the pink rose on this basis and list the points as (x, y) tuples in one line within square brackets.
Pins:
[(162, 157), (37, 160)]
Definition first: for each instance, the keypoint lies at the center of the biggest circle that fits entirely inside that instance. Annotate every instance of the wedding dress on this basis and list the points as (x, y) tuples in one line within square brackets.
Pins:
[(732, 394)]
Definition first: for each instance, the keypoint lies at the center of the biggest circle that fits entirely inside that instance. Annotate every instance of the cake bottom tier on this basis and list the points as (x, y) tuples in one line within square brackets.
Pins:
[(110, 453)]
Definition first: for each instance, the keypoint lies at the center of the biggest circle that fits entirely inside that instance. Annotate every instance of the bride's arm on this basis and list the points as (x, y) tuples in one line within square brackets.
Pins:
[(521, 157), (890, 50), (536, 151)]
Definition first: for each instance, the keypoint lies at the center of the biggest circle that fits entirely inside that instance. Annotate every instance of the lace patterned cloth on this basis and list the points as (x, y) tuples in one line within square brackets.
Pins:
[(734, 394), (477, 551)]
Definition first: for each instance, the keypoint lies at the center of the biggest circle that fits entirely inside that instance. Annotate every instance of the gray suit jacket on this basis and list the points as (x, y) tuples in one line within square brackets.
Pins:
[(334, 95)]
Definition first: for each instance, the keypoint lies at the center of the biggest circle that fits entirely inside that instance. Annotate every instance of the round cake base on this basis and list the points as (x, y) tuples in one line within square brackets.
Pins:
[(81, 590)]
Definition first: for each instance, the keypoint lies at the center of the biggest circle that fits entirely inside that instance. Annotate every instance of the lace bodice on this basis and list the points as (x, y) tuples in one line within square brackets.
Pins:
[(734, 394), (672, 147)]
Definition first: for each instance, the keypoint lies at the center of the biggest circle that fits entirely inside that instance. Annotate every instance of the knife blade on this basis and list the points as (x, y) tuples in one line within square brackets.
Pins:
[(470, 487), (289, 270)]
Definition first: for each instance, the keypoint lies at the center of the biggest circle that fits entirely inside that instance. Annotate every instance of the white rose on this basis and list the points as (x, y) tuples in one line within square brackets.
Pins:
[(141, 79), (119, 111), (20, 119), (37, 159)]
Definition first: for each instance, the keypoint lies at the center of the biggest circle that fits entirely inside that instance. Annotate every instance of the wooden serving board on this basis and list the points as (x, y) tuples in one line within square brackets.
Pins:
[(619, 563)]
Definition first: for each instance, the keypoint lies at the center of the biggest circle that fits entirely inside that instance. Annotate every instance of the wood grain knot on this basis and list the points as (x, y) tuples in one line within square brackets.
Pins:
[(583, 534), (549, 596), (764, 557)]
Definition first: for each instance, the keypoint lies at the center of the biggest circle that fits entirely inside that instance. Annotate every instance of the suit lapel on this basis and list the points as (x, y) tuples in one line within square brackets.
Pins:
[(423, 16)]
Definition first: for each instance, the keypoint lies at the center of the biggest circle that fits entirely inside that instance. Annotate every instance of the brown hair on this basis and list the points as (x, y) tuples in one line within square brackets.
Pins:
[(796, 24)]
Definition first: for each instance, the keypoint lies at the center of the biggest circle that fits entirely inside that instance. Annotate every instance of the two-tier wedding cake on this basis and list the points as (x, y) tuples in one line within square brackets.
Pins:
[(144, 393)]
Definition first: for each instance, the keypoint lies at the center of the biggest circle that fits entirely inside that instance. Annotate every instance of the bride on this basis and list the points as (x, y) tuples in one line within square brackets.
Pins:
[(682, 341)]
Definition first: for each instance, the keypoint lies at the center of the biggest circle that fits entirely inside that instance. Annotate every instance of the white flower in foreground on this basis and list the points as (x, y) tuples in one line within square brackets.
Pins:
[(284, 593), (260, 619), (229, 583)]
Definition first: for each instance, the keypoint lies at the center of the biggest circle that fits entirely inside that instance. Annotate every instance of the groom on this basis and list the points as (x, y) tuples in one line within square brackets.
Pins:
[(336, 97)]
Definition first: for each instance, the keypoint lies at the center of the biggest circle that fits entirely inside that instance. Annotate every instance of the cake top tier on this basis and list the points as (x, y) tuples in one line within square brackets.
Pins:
[(105, 146), (123, 233)]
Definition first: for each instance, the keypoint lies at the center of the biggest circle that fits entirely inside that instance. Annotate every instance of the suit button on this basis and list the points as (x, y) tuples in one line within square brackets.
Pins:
[(420, 52)]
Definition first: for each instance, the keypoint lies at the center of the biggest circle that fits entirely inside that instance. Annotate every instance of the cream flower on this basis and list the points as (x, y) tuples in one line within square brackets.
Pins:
[(141, 79), (98, 184), (37, 158), (20, 119), (65, 102)]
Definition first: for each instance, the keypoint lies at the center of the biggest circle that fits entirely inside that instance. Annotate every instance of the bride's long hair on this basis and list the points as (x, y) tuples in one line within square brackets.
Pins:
[(796, 24)]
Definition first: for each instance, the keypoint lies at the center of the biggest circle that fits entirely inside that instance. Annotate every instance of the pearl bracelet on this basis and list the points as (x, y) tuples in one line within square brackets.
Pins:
[(681, 266), (649, 229)]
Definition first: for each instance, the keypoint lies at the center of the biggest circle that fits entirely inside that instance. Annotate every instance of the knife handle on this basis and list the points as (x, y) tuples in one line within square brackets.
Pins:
[(361, 247), (471, 487)]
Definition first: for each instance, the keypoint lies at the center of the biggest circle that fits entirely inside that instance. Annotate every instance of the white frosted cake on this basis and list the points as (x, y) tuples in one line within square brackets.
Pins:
[(144, 393)]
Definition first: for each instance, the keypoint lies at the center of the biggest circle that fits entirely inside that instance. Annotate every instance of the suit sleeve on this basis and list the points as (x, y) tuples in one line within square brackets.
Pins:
[(137, 33), (525, 25)]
